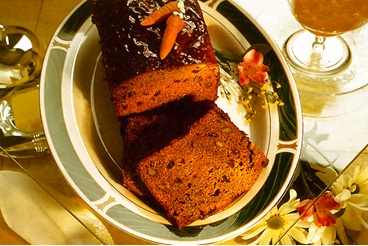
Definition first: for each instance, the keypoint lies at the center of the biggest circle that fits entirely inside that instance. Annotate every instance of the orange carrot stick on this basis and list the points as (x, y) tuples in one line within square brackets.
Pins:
[(174, 24), (161, 14)]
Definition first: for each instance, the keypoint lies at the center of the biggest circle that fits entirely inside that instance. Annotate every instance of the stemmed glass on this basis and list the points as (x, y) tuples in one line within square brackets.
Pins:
[(318, 49), (21, 131)]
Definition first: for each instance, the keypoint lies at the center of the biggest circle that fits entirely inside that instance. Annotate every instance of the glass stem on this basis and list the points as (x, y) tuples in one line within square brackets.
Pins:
[(319, 43)]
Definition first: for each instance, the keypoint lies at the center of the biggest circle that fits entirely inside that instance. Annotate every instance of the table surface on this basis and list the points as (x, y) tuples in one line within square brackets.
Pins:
[(334, 138)]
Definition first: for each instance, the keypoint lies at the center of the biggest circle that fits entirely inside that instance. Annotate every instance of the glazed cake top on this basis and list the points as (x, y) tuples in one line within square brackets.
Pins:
[(130, 49)]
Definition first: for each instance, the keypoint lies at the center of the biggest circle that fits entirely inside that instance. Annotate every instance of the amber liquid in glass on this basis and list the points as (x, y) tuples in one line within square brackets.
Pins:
[(330, 17)]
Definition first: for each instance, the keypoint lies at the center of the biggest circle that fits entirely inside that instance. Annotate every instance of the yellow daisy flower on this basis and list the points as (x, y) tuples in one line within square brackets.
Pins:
[(279, 226), (351, 191)]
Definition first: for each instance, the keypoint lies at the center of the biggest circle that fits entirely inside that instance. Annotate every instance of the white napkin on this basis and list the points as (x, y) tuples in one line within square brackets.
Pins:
[(35, 216)]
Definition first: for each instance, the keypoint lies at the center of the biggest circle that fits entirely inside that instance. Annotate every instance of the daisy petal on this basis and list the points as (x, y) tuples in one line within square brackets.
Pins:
[(343, 196), (266, 237), (341, 232), (363, 222), (359, 201), (254, 231), (329, 236), (287, 240), (299, 235)]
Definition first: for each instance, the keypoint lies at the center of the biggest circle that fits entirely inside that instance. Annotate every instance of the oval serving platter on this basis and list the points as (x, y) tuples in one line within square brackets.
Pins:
[(84, 136)]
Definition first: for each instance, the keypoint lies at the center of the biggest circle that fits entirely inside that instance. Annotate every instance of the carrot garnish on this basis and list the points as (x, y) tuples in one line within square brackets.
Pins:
[(174, 24), (161, 14), (174, 13)]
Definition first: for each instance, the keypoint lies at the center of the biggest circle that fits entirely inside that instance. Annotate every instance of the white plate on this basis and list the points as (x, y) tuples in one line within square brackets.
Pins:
[(84, 138)]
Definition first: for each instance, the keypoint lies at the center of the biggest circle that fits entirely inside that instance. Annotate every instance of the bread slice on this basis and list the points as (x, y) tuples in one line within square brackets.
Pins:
[(200, 161)]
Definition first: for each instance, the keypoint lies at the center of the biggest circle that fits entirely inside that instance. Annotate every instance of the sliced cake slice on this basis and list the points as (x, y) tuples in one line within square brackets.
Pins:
[(200, 168)]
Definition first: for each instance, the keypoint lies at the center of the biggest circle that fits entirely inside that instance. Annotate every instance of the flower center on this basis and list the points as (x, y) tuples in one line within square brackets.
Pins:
[(339, 213), (275, 222), (354, 189)]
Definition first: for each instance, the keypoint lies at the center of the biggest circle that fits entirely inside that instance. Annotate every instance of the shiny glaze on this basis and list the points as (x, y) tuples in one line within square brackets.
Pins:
[(130, 49)]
